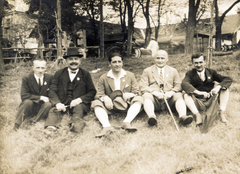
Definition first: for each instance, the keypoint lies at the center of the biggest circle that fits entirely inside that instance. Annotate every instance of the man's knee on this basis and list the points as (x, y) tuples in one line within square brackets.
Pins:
[(27, 103), (137, 99), (97, 103), (186, 96), (177, 96), (147, 96), (47, 105)]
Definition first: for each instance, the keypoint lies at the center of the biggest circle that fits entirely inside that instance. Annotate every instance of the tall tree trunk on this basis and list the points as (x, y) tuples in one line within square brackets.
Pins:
[(1, 35), (158, 20), (40, 38), (101, 30), (130, 28), (218, 40), (192, 11), (218, 23), (122, 15), (59, 30), (148, 29)]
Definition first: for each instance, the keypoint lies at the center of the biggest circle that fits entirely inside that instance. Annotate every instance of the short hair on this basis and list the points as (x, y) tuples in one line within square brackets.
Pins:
[(39, 59), (197, 55), (113, 54), (161, 52)]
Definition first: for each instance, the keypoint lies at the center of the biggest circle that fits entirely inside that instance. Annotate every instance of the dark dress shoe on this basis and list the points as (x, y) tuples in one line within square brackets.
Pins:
[(16, 127), (185, 120), (152, 121), (127, 126), (77, 127), (105, 131)]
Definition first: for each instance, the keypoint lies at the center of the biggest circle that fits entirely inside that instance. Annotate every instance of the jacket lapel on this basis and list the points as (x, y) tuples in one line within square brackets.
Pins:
[(166, 76), (196, 76), (155, 74), (65, 79), (110, 82), (77, 78), (44, 85), (34, 83), (123, 82)]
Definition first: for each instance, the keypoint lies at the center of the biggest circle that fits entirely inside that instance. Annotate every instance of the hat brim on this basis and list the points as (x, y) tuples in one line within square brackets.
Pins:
[(115, 94), (120, 104), (80, 56)]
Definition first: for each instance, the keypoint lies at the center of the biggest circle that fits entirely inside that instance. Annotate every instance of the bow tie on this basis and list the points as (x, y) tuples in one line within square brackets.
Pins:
[(73, 72)]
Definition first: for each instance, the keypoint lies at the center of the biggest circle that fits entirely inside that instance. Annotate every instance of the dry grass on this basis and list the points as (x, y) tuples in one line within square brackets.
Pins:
[(152, 150)]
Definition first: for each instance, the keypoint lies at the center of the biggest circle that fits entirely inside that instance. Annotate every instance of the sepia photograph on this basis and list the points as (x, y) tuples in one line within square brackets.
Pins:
[(119, 87)]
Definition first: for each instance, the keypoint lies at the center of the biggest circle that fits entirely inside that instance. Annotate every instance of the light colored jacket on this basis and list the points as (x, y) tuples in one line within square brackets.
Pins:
[(150, 80), (106, 85)]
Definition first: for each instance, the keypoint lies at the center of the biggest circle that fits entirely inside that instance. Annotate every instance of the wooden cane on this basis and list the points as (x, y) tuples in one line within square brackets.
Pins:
[(169, 109)]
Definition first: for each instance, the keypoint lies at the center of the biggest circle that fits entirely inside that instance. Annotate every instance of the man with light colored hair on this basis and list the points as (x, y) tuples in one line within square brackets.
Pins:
[(34, 94), (161, 81)]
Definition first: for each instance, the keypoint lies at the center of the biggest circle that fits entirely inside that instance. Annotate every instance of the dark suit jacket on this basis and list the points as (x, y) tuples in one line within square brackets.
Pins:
[(30, 89), (106, 85), (192, 81), (83, 87)]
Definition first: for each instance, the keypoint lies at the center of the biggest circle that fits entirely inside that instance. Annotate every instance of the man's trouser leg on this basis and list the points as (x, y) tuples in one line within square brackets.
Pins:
[(25, 110), (54, 118), (76, 122), (43, 111)]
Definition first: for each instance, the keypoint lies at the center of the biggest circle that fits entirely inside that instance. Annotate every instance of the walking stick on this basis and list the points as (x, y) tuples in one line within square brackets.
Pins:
[(169, 109)]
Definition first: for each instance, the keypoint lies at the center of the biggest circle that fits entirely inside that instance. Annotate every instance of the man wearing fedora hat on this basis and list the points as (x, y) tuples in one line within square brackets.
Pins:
[(161, 81), (117, 92), (72, 90)]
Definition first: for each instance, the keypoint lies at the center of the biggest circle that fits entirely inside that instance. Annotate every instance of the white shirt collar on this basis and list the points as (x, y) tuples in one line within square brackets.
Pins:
[(122, 74), (202, 72), (163, 69), (70, 71), (36, 77)]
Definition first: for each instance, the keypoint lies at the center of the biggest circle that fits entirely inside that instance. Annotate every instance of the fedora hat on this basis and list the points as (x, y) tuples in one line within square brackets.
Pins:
[(72, 51), (118, 102)]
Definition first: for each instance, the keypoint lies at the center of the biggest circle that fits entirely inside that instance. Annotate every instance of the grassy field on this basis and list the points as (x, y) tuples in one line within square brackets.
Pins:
[(151, 150)]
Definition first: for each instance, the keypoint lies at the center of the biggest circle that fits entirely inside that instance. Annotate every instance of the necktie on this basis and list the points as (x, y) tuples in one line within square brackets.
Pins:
[(39, 83), (161, 77)]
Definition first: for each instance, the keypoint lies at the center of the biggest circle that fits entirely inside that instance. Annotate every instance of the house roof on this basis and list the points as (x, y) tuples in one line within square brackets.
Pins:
[(231, 24)]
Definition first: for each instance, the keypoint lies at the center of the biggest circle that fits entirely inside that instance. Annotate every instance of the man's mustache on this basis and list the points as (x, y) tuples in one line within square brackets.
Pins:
[(73, 63)]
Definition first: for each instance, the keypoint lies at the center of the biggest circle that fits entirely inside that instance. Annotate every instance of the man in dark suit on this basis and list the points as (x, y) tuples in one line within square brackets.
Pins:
[(34, 94), (72, 90), (199, 85)]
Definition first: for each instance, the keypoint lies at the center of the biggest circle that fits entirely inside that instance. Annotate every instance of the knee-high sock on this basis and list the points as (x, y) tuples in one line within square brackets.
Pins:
[(102, 116), (190, 104), (132, 112), (149, 107), (224, 96), (181, 107)]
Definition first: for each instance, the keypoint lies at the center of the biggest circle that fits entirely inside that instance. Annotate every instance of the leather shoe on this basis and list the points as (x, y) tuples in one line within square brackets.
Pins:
[(16, 127), (185, 120), (152, 121), (77, 127), (127, 126), (50, 130), (105, 131)]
